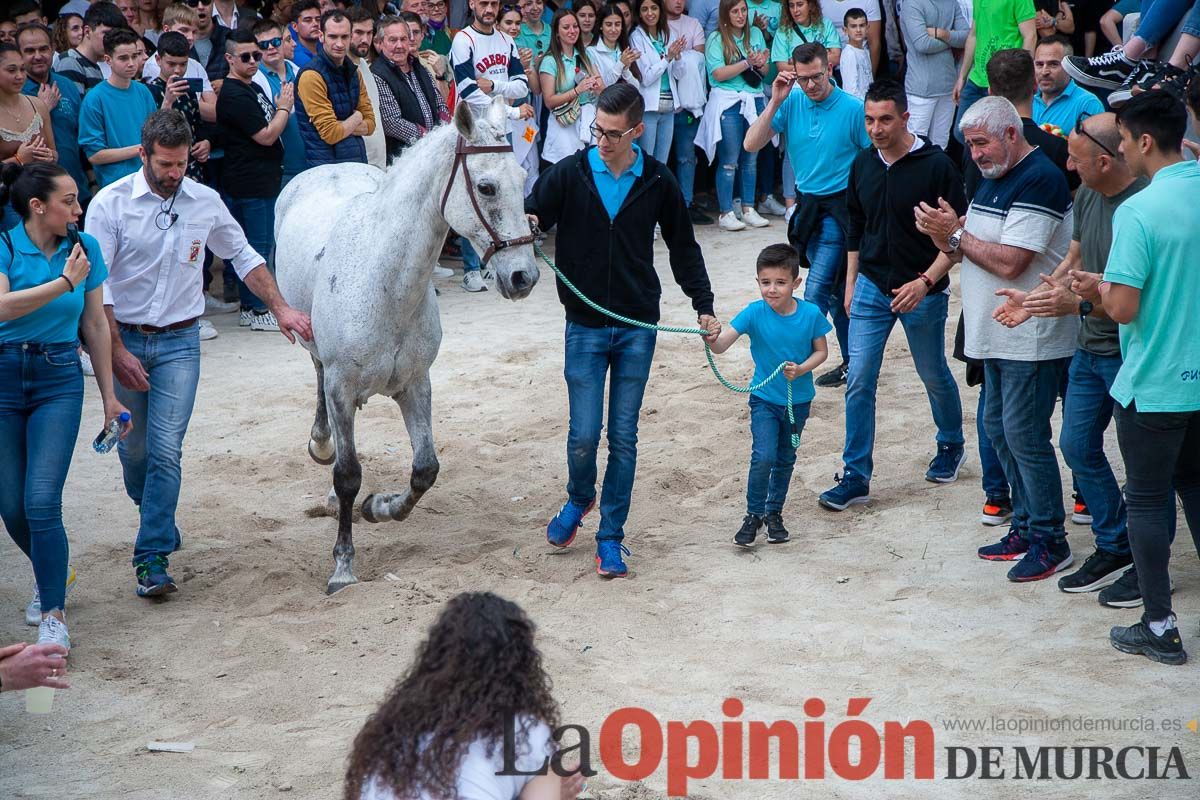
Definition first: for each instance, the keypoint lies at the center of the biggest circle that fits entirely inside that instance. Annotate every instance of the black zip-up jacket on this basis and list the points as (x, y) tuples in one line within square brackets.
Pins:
[(612, 261), (883, 228)]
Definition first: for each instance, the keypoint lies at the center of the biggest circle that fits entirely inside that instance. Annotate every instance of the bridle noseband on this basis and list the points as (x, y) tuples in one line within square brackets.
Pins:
[(461, 150)]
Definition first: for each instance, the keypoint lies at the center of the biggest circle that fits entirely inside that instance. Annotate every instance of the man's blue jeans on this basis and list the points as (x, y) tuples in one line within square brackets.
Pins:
[(827, 256), (733, 161), (995, 484), (471, 262), (41, 397), (1020, 400), (871, 322), (623, 355), (686, 127), (971, 94), (256, 215), (772, 456), (152, 453), (1087, 410)]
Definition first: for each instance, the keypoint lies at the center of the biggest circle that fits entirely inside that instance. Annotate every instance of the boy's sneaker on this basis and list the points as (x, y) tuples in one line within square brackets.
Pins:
[(846, 493), (751, 525), (729, 222), (53, 630), (1042, 560), (835, 376), (565, 524), (945, 465), (772, 206), (996, 511), (1080, 514), (1140, 640), (245, 317), (609, 563), (33, 611), (750, 217), (153, 579), (473, 282), (776, 533), (1105, 71), (1010, 548), (1125, 593), (1101, 569)]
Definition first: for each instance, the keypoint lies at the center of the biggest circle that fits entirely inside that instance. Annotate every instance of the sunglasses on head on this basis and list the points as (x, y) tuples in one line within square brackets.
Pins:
[(1079, 127), (252, 57), (267, 44)]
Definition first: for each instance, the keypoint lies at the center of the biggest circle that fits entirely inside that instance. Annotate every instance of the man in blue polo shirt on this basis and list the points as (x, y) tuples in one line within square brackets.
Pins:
[(825, 132), (1059, 100)]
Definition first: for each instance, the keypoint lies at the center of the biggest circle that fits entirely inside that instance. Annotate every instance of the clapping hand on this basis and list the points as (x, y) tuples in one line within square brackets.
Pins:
[(1086, 284), (287, 96), (1051, 299), (675, 49), (49, 94), (1012, 313), (937, 223), (35, 150)]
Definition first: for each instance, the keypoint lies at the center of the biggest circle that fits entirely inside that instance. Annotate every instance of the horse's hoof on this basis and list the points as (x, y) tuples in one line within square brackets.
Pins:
[(365, 509), (336, 584), (314, 451)]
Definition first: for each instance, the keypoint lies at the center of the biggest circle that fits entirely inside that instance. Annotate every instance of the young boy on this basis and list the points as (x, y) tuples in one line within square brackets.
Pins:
[(171, 90), (111, 115), (180, 18), (782, 329), (855, 65)]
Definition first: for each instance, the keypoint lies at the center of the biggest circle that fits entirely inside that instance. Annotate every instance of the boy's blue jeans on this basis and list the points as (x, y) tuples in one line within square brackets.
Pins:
[(772, 456)]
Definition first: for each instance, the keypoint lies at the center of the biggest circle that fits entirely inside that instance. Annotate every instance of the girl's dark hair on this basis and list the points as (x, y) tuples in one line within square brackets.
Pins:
[(9, 47), (660, 28), (477, 670), (556, 52), (20, 184), (609, 10)]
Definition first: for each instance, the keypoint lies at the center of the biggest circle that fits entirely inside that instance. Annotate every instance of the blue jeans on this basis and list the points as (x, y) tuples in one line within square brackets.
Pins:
[(656, 138), (827, 255), (256, 215), (471, 262), (1087, 410), (624, 356), (684, 143), (1159, 18), (971, 94), (995, 485), (772, 456), (1191, 25), (871, 321), (41, 397), (1021, 397), (151, 454), (733, 160)]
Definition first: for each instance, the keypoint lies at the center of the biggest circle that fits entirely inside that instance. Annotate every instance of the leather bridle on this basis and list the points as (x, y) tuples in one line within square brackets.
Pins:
[(461, 150)]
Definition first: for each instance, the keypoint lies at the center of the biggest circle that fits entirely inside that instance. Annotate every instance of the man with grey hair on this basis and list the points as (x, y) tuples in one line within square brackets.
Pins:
[(1017, 227)]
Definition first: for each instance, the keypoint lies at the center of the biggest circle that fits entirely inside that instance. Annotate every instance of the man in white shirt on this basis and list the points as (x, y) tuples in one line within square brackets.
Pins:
[(152, 227)]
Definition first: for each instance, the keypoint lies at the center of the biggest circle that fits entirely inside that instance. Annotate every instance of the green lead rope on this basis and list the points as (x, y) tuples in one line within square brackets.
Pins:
[(754, 387)]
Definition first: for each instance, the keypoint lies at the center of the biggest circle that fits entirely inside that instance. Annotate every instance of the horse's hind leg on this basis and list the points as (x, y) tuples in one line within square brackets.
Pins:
[(320, 448), (347, 480), (416, 406)]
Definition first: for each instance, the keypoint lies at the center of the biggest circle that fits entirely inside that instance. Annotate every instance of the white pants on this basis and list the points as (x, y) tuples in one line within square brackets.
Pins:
[(931, 117)]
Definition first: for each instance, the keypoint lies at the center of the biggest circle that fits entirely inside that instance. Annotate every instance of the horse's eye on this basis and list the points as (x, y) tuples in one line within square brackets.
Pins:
[(487, 189)]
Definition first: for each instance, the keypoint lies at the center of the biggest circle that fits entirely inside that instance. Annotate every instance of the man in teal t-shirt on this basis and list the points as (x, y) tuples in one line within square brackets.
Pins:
[(111, 117)]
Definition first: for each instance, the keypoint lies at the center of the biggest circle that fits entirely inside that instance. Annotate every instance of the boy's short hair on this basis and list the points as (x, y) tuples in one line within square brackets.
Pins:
[(180, 14), (104, 13), (779, 256), (854, 13), (174, 44), (263, 26), (117, 37)]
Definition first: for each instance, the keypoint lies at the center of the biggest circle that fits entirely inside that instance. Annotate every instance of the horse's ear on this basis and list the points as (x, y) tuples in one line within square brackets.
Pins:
[(498, 114), (464, 119)]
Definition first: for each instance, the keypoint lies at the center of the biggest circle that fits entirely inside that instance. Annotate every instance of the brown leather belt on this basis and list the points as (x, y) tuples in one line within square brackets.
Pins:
[(174, 326)]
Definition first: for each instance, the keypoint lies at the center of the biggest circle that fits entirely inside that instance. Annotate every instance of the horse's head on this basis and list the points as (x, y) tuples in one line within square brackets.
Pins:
[(484, 199)]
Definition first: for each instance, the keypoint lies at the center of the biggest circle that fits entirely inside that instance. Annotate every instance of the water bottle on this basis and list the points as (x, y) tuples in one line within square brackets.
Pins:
[(111, 433)]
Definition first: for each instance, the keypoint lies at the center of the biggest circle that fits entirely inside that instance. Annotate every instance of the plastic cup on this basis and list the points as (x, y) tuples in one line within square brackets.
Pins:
[(38, 700)]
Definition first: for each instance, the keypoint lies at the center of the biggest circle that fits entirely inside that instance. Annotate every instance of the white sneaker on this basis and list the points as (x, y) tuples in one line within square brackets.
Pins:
[(772, 206), (33, 611), (473, 282), (787, 215), (730, 222), (737, 207), (487, 274), (53, 630), (214, 306), (264, 322), (750, 217), (245, 317), (207, 331), (442, 272), (85, 361)]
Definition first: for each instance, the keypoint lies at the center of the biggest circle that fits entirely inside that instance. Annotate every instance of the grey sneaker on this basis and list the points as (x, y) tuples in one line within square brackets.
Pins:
[(473, 282), (33, 611), (52, 630)]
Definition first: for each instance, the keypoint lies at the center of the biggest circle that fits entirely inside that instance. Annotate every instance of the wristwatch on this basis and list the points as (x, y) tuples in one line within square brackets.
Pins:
[(955, 240), (1085, 308)]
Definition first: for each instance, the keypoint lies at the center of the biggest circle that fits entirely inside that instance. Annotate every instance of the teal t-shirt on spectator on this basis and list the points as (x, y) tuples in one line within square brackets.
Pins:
[(775, 338), (1156, 236), (787, 39), (564, 81), (1065, 109), (539, 43), (26, 267), (714, 58), (110, 118), (64, 119), (771, 9), (822, 138)]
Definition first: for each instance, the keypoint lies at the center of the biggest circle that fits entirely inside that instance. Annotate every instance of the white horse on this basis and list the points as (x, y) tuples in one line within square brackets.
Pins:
[(355, 248)]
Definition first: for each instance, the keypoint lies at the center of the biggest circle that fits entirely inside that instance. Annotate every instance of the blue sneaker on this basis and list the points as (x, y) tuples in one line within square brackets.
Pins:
[(153, 579), (946, 464), (1011, 548), (562, 529), (1042, 560), (848, 492), (609, 563)]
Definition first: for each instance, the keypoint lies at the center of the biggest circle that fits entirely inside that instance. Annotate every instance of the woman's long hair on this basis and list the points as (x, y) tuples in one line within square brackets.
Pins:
[(661, 30), (477, 669), (725, 28), (58, 35), (814, 15), (556, 51), (611, 10)]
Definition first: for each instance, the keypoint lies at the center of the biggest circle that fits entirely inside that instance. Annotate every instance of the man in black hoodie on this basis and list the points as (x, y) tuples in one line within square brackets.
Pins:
[(893, 275), (605, 201)]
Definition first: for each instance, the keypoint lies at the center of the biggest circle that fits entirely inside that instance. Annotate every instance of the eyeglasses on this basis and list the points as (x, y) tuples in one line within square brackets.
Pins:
[(810, 80), (267, 44), (252, 57), (612, 136), (1079, 127)]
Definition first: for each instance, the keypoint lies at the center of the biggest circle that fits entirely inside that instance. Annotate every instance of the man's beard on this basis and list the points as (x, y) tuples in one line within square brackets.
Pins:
[(997, 169)]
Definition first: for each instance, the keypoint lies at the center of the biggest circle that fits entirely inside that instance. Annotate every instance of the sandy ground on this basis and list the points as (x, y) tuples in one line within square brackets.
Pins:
[(271, 679)]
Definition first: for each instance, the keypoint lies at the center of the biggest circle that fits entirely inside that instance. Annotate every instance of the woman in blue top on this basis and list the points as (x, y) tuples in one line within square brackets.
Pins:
[(50, 288)]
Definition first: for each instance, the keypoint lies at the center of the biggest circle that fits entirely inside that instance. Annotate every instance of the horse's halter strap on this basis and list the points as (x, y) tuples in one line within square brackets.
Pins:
[(461, 151)]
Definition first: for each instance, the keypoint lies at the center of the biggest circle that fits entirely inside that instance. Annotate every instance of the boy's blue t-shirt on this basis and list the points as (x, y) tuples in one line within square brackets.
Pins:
[(112, 118), (774, 339)]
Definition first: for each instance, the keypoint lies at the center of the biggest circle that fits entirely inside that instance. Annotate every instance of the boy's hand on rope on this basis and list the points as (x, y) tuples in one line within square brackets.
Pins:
[(792, 370)]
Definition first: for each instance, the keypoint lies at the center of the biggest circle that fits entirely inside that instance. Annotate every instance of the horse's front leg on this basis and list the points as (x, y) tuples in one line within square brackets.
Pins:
[(416, 406)]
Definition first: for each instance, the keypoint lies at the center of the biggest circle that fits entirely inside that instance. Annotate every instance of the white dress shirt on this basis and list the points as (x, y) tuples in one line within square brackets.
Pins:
[(155, 276)]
